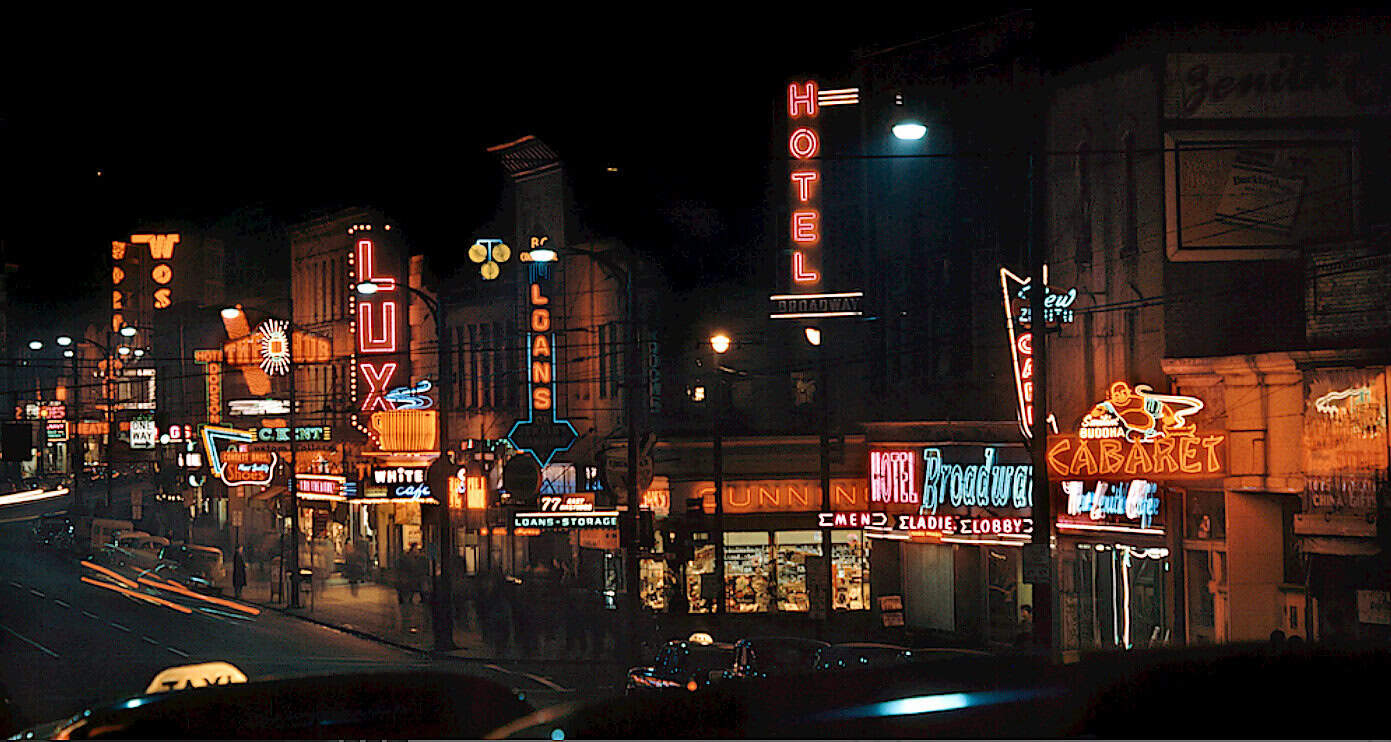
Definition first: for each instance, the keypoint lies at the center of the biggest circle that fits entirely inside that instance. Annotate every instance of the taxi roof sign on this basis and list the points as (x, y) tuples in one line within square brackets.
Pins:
[(701, 637), (182, 677)]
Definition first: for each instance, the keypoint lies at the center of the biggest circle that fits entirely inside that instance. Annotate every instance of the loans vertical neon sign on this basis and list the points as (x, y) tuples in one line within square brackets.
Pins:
[(542, 434)]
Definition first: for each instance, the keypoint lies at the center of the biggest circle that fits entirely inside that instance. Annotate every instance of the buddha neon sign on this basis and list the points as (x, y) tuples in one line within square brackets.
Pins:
[(1138, 433)]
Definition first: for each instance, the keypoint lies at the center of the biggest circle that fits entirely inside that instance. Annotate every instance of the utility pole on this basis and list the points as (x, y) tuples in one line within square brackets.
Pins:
[(632, 575), (1038, 327)]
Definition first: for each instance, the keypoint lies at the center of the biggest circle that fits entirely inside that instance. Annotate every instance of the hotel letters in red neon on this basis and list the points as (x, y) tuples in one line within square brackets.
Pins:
[(804, 145), (376, 330)]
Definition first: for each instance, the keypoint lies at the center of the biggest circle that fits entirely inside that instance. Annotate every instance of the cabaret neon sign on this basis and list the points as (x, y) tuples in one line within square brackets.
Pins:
[(1137, 433)]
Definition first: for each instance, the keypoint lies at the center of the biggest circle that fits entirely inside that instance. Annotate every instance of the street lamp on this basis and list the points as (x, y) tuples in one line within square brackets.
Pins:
[(443, 600), (813, 335), (720, 343), (909, 130)]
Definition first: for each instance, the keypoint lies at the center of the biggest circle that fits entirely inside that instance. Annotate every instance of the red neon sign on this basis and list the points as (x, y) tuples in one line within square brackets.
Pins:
[(369, 340), (804, 144), (377, 377)]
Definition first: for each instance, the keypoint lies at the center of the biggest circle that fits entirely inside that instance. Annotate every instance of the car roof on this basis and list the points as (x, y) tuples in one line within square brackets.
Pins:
[(685, 643), (783, 640), (869, 645)]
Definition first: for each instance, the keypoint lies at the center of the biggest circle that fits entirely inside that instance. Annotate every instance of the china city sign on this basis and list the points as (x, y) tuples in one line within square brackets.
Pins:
[(1136, 433), (1057, 309)]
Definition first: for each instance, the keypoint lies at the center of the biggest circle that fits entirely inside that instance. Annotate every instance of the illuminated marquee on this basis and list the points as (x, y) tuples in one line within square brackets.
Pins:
[(542, 434), (776, 495), (549, 521), (275, 347), (320, 486), (1137, 433), (580, 502)]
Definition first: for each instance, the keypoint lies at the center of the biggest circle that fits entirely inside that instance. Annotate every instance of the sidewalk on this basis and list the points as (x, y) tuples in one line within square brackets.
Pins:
[(373, 611)]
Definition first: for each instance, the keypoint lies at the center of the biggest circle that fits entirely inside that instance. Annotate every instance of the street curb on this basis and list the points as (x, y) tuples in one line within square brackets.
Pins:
[(417, 650)]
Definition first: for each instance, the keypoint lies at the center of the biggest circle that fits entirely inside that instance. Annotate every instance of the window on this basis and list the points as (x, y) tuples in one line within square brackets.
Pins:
[(747, 572), (701, 590), (1205, 566), (849, 571), (793, 548)]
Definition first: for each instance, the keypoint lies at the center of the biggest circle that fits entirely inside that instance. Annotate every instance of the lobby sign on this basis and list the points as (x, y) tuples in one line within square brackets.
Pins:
[(1136, 433)]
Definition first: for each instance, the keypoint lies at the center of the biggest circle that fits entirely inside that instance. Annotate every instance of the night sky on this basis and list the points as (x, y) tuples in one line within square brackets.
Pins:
[(195, 123)]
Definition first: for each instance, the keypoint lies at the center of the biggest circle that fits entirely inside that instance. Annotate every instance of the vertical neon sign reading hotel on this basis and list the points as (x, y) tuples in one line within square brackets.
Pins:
[(806, 229)]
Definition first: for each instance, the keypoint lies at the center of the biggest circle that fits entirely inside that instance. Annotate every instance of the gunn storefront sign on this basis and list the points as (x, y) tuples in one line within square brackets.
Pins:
[(1136, 433)]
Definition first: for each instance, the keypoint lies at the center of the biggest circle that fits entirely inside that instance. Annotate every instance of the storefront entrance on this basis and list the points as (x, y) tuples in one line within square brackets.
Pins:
[(1113, 596)]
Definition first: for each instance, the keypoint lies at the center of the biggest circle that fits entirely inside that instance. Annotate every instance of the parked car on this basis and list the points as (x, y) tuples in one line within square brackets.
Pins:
[(53, 532), (681, 665), (102, 531), (135, 549), (868, 655), (202, 566), (773, 656)]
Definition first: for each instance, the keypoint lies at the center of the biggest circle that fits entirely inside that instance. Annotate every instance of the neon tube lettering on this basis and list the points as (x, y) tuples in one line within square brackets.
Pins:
[(803, 98), (800, 273), (367, 268), (804, 179), (368, 339), (803, 144)]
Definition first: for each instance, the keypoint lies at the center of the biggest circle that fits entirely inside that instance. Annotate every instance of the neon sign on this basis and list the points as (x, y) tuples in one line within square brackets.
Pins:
[(1018, 313), (988, 484), (957, 525), (1137, 433), (893, 478), (804, 144), (275, 347), (542, 434), (237, 466), (411, 397), (1123, 505), (377, 328)]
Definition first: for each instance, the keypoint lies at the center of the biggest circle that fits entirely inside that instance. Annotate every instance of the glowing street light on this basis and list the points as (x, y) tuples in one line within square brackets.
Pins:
[(128, 331), (720, 343), (909, 130), (64, 340), (35, 345), (123, 350), (231, 312), (813, 335)]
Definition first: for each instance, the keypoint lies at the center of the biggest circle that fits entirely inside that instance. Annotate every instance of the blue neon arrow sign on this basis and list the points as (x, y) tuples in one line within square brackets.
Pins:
[(542, 434)]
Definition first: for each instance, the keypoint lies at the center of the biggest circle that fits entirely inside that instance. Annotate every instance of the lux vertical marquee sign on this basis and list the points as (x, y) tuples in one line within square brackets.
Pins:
[(807, 262), (542, 434), (377, 328)]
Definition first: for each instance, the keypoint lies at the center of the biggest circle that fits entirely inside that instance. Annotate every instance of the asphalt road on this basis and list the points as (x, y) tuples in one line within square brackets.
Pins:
[(67, 644)]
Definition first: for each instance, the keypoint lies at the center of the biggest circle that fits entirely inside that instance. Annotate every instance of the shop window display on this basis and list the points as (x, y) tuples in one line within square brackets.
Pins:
[(657, 583), (700, 572), (793, 548), (850, 571), (748, 567)]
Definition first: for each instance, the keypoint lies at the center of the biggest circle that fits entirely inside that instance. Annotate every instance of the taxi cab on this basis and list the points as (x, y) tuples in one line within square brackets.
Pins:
[(681, 665)]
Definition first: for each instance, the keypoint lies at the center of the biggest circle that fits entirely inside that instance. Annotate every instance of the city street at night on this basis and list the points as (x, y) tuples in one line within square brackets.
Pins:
[(932, 372)]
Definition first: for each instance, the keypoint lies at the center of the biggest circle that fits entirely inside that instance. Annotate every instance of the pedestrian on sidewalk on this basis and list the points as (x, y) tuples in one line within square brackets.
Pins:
[(355, 566), (238, 572)]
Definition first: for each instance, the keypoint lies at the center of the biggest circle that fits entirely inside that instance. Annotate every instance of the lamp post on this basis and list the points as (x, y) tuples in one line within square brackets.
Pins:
[(813, 336), (443, 620), (719, 343)]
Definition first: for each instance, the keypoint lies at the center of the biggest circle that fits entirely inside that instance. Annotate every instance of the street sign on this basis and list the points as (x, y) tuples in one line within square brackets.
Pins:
[(1036, 559)]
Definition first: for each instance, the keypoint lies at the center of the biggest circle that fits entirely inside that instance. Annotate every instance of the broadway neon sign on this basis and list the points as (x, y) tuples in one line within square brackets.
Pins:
[(987, 484)]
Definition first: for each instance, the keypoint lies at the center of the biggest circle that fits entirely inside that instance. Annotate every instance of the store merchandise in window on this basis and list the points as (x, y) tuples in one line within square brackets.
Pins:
[(793, 548), (657, 583), (748, 567), (850, 571), (701, 592)]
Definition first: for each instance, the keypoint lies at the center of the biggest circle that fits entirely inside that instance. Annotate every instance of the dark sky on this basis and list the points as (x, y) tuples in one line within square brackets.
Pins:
[(195, 121)]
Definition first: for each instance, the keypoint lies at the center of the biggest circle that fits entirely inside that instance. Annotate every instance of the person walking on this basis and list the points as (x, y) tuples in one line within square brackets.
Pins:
[(238, 572)]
